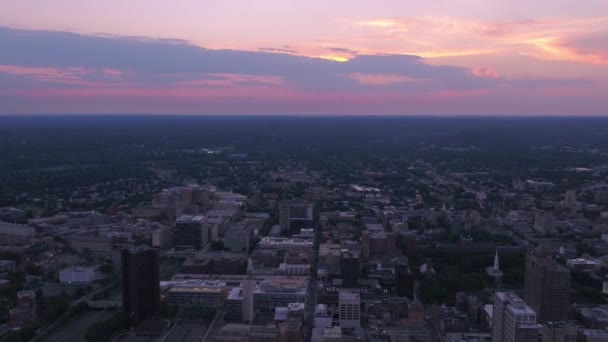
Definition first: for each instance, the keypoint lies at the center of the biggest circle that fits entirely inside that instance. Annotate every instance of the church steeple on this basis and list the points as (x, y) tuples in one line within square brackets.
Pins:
[(496, 263)]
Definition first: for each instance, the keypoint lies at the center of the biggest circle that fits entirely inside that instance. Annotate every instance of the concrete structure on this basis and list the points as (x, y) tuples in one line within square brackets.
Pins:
[(188, 232), (510, 317), (593, 335), (583, 265), (206, 297), (140, 283), (92, 243), (406, 280), (560, 331), (377, 243), (294, 215), (16, 234), (77, 275), (286, 243), (547, 287), (330, 257), (239, 237), (349, 307), (24, 314), (350, 268), (281, 291), (161, 238)]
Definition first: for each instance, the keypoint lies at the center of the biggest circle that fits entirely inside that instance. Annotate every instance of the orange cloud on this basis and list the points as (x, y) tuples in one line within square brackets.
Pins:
[(435, 36)]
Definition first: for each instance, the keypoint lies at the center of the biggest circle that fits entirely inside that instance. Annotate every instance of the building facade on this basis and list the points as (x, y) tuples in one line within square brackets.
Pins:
[(140, 283), (511, 317), (349, 306), (547, 287)]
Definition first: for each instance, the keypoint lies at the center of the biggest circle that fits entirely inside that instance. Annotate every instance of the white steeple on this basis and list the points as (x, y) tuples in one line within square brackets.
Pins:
[(496, 263)]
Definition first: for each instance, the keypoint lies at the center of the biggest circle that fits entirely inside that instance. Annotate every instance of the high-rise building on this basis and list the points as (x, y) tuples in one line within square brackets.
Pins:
[(188, 232), (239, 237), (248, 289), (140, 282), (547, 287), (350, 268), (511, 318), (405, 280), (294, 215), (377, 242), (349, 309)]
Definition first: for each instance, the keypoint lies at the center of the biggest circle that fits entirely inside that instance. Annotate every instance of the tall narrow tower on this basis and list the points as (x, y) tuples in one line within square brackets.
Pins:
[(495, 271), (248, 288)]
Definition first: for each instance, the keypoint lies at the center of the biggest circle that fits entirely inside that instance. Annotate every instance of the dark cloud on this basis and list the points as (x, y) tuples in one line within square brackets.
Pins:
[(343, 50), (279, 50), (151, 62)]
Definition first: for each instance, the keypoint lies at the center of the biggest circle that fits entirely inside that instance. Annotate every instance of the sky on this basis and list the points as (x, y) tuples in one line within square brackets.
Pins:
[(314, 57)]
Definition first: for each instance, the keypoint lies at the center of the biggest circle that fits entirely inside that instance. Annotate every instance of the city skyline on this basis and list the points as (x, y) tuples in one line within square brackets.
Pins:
[(284, 57)]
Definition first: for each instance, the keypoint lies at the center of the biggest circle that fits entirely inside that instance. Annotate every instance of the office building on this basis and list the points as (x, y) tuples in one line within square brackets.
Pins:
[(593, 335), (294, 215), (140, 283), (405, 280), (91, 243), (24, 314), (351, 269), (77, 275), (16, 234), (161, 238), (377, 243), (547, 287), (511, 318), (239, 237), (566, 331), (330, 257), (203, 297), (188, 232), (349, 306)]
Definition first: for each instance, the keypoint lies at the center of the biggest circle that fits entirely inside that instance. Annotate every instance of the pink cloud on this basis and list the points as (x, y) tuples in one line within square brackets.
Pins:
[(484, 73)]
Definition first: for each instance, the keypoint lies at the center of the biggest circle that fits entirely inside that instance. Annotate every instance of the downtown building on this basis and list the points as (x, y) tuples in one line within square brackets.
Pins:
[(547, 287), (140, 283), (295, 215), (513, 320)]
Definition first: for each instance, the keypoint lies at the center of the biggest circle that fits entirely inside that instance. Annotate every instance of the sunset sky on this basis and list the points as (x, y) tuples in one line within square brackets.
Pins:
[(398, 57)]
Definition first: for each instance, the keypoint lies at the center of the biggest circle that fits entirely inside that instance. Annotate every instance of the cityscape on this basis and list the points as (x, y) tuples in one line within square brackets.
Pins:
[(304, 171), (413, 231)]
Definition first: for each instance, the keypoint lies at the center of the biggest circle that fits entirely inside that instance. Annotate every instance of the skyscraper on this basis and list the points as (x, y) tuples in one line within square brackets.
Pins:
[(350, 268), (248, 289), (511, 318), (547, 287), (140, 283), (405, 280)]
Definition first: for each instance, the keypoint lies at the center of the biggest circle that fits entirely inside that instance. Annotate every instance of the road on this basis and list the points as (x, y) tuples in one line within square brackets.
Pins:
[(311, 296), (216, 324), (46, 331), (74, 331)]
